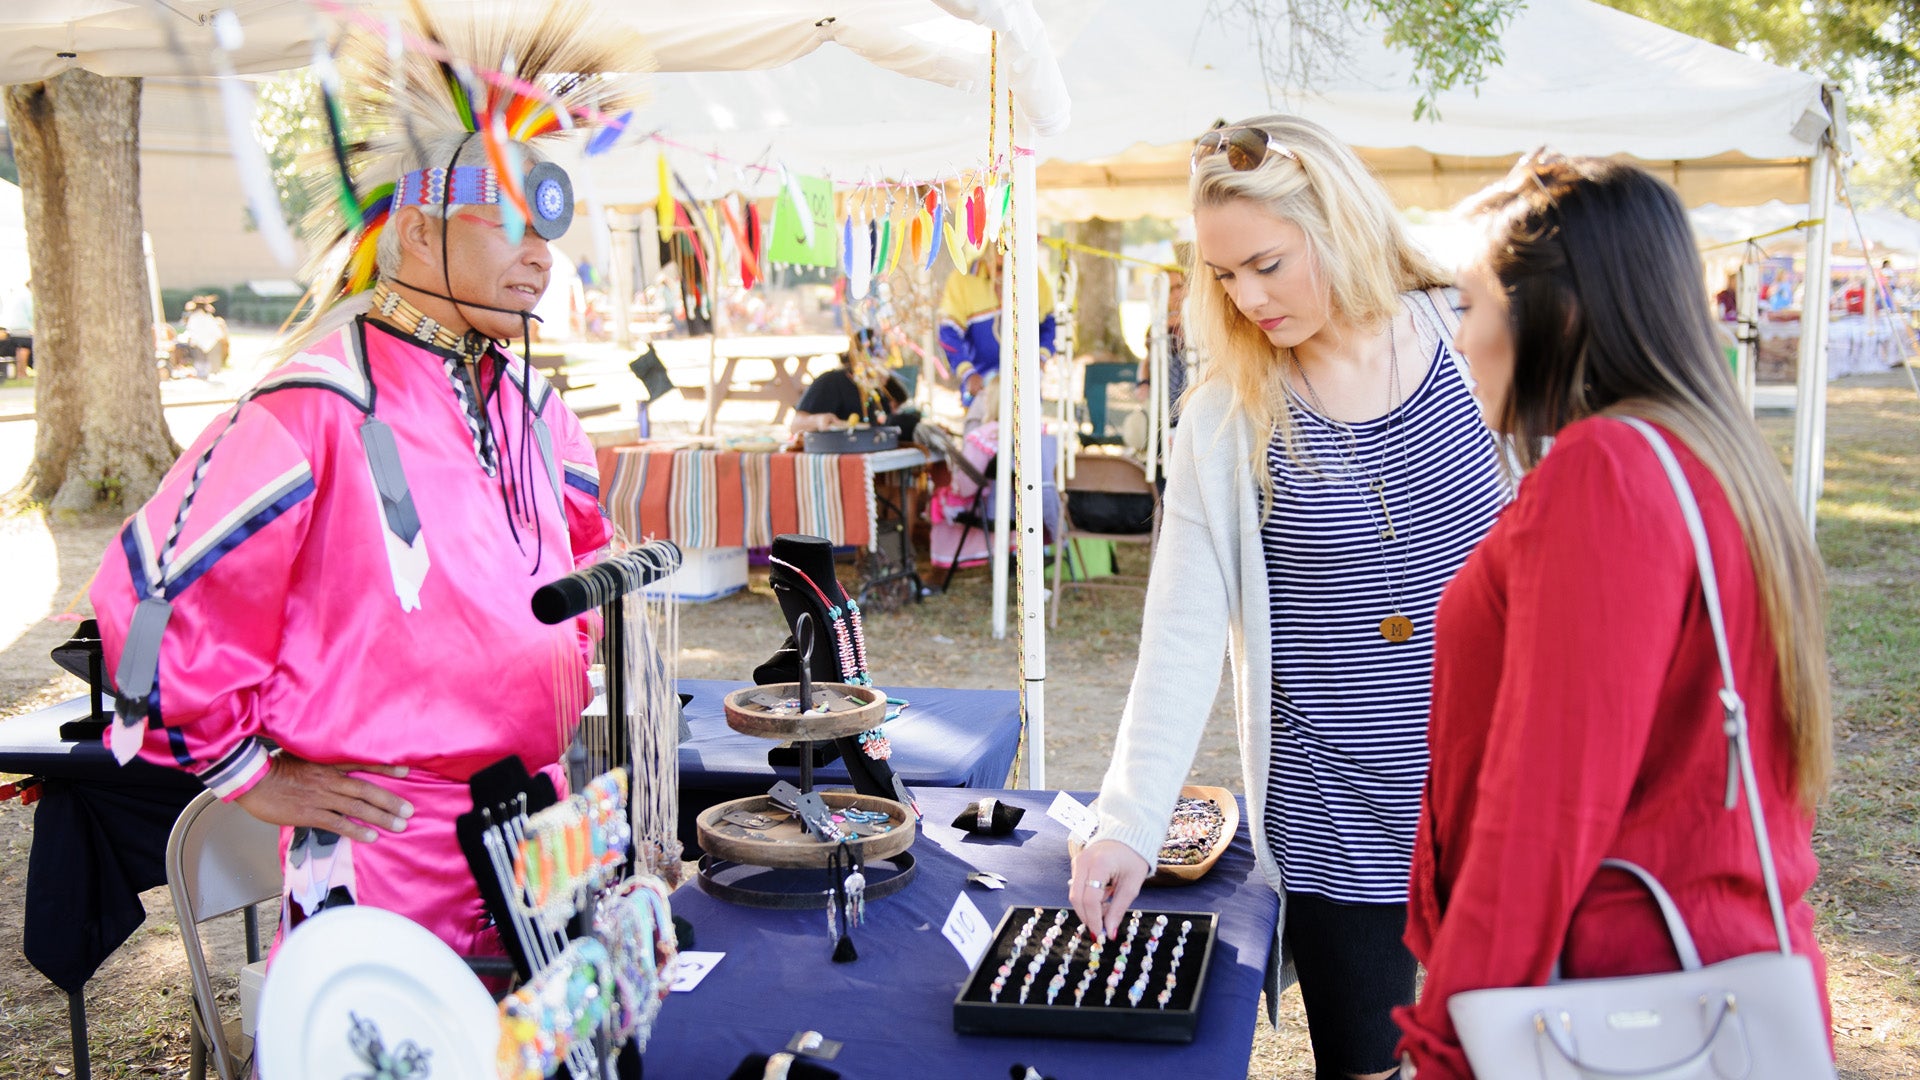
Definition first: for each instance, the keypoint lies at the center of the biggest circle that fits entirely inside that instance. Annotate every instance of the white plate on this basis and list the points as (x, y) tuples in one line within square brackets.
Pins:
[(389, 972)]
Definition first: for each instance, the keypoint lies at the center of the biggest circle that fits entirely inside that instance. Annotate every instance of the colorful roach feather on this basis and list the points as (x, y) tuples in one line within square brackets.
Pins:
[(375, 207), (387, 99)]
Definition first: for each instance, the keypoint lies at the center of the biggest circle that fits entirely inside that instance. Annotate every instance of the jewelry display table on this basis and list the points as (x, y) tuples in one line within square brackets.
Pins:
[(893, 1007), (100, 829)]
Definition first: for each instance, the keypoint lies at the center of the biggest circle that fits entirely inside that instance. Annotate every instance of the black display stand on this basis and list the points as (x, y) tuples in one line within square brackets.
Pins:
[(976, 1013), (813, 556)]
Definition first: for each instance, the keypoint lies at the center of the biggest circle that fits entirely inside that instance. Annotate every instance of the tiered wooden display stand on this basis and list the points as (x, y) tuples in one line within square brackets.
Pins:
[(781, 865)]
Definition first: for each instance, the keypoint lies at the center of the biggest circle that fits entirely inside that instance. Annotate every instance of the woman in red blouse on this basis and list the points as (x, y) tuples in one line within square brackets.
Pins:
[(1574, 709)]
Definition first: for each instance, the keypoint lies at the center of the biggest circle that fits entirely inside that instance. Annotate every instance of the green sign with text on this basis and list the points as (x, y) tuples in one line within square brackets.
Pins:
[(789, 243)]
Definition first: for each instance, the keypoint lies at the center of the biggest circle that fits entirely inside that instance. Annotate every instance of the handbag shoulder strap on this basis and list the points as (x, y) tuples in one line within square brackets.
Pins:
[(1446, 320), (1739, 753), (1683, 945)]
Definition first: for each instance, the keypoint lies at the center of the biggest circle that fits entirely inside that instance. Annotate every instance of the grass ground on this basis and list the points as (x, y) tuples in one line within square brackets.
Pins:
[(1868, 895)]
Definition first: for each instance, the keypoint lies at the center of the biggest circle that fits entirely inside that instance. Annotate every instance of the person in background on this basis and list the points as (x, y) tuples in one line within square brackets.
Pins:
[(972, 328), (16, 337), (204, 337), (1177, 374), (1329, 474), (860, 390), (1576, 710)]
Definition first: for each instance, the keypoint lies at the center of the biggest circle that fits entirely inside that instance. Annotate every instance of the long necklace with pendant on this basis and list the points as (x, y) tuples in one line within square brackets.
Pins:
[(1396, 627)]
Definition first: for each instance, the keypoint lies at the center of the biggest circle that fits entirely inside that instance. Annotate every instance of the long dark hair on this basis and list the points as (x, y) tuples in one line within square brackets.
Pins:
[(1608, 310)]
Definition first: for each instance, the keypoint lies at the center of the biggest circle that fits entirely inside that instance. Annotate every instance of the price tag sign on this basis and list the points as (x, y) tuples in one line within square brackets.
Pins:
[(691, 968), (968, 930), (1073, 814)]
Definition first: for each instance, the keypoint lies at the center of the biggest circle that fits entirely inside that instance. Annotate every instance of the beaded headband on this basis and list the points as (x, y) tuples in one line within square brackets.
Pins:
[(550, 202)]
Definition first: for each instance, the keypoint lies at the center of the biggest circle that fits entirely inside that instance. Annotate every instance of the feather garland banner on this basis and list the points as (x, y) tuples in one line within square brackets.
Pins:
[(757, 239), (749, 273), (934, 232), (663, 202), (801, 211)]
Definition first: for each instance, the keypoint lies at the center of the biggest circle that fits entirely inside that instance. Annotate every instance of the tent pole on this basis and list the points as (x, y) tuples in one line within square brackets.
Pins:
[(1031, 471), (1004, 467), (1810, 396), (1157, 401), (1747, 328)]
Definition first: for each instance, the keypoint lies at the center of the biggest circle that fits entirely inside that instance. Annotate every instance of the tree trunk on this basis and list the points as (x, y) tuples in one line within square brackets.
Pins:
[(1096, 318), (101, 441)]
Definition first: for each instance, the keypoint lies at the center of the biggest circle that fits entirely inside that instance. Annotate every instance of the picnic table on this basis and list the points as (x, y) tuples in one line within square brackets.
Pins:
[(791, 358)]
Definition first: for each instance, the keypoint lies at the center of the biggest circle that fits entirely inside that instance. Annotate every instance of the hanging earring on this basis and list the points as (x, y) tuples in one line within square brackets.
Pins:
[(843, 950), (856, 891), (833, 906)]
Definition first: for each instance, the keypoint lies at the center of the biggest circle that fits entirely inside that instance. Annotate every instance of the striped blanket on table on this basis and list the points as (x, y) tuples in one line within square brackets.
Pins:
[(725, 498)]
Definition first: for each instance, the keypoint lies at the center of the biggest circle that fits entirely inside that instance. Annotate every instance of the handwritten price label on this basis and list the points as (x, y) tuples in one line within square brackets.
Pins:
[(1072, 813), (968, 930), (691, 967)]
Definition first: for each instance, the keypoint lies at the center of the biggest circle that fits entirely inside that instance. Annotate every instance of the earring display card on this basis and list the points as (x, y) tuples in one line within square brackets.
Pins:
[(1042, 976)]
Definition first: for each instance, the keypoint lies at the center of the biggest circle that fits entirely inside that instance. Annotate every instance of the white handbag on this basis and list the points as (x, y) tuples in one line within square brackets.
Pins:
[(1754, 1017)]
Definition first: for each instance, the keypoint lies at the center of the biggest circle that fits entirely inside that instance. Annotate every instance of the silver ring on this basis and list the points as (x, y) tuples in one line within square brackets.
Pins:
[(983, 818), (778, 1066), (1096, 883)]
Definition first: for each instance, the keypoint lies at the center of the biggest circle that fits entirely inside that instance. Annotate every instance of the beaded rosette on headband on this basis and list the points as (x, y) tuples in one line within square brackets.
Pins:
[(389, 94)]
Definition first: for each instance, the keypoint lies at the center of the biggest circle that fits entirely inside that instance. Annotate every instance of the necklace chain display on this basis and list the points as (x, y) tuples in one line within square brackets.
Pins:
[(1396, 627), (850, 645)]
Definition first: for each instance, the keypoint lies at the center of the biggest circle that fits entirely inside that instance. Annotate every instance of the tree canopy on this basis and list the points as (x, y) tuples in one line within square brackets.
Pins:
[(1869, 48)]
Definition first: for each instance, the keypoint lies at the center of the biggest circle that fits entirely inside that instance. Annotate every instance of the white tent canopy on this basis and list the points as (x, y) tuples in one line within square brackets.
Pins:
[(1148, 75), (1577, 76), (1889, 232), (943, 42)]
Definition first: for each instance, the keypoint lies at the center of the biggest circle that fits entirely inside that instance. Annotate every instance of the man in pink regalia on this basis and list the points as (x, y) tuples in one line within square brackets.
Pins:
[(324, 613)]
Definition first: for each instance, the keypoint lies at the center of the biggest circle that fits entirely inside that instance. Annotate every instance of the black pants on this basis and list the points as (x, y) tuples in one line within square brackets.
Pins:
[(1353, 971)]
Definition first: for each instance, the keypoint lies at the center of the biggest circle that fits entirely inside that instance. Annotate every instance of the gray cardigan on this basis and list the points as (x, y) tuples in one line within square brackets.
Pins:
[(1207, 595)]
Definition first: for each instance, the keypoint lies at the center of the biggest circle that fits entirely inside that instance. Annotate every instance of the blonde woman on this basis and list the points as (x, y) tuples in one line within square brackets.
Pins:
[(1329, 475), (1576, 710)]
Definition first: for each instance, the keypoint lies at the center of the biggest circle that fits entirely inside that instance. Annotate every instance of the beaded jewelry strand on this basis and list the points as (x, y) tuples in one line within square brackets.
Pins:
[(850, 645)]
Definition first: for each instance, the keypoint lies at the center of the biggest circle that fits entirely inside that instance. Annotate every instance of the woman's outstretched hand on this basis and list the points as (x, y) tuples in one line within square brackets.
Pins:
[(1106, 878)]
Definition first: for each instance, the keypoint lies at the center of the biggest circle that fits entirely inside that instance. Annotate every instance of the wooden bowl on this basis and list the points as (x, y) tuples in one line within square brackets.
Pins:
[(1186, 874), (788, 844), (850, 711)]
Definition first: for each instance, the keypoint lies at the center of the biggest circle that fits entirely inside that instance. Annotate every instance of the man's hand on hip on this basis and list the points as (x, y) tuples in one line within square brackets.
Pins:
[(297, 792)]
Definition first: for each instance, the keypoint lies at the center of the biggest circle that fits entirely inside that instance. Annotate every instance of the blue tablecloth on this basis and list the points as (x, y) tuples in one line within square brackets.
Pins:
[(893, 1007), (943, 738)]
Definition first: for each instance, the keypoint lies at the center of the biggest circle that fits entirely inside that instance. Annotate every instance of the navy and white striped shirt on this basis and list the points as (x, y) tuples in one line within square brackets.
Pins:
[(1349, 746)]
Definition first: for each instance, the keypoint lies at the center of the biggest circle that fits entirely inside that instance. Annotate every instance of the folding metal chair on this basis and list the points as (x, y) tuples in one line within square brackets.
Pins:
[(220, 859), (1110, 474), (978, 515)]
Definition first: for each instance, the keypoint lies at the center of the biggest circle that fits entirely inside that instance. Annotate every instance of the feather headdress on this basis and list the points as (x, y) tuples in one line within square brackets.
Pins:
[(390, 95)]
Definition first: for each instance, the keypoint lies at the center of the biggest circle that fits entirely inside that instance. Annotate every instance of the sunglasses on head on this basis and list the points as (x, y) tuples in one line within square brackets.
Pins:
[(1246, 148)]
